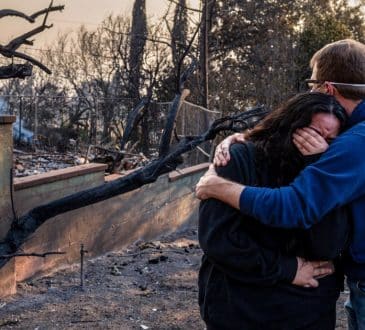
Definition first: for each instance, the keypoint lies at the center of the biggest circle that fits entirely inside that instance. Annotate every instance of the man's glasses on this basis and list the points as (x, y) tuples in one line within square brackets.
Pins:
[(313, 83)]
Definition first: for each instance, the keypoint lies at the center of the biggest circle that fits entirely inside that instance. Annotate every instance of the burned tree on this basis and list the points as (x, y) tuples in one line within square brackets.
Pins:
[(10, 50)]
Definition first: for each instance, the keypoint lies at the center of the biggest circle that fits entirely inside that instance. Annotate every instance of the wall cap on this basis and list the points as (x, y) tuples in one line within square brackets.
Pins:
[(56, 175), (7, 119), (176, 175)]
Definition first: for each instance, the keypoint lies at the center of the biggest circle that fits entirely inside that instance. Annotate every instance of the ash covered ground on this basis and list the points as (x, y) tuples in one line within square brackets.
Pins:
[(150, 285)]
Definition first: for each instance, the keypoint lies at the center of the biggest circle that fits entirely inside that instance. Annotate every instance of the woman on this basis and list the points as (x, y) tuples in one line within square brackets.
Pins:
[(245, 281)]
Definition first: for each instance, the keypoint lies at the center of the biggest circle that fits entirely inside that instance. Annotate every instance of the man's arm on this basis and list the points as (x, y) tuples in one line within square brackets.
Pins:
[(337, 178)]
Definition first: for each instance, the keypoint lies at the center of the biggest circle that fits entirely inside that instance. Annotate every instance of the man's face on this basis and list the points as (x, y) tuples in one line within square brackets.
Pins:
[(316, 87)]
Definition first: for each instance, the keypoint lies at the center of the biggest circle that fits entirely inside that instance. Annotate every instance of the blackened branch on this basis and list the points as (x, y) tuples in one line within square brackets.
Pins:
[(11, 12), (27, 224), (24, 57), (9, 50), (133, 119), (29, 18)]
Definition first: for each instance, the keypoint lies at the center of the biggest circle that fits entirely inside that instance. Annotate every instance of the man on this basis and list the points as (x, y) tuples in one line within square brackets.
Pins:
[(336, 179)]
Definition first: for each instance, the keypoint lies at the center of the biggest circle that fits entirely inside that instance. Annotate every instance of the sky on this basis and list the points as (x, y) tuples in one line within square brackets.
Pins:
[(76, 12)]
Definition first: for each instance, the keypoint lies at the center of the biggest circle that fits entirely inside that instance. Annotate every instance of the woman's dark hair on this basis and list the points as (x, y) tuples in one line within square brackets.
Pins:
[(273, 135)]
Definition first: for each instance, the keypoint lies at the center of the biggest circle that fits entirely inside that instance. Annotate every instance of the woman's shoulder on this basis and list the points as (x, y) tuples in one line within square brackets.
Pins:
[(241, 164), (242, 150)]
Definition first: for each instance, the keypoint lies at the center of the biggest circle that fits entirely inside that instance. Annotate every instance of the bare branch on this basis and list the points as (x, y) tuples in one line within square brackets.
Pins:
[(17, 42), (5, 52), (11, 12), (188, 8), (47, 10), (187, 50), (31, 18), (9, 50)]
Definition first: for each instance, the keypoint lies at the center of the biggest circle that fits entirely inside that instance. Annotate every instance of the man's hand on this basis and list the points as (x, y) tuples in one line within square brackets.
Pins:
[(309, 271), (211, 185), (221, 155), (204, 187), (309, 141)]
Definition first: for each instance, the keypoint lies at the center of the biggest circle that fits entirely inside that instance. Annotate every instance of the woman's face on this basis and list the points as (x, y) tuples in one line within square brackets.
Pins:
[(326, 125)]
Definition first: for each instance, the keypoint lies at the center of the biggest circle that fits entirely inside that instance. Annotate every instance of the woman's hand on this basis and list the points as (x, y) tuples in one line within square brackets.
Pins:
[(309, 141), (221, 155), (309, 271)]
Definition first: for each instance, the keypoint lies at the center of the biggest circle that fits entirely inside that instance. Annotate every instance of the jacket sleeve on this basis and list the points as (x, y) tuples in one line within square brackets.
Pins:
[(228, 247), (336, 179)]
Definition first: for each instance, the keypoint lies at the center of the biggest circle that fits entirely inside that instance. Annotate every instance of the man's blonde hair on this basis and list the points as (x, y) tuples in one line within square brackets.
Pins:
[(342, 61)]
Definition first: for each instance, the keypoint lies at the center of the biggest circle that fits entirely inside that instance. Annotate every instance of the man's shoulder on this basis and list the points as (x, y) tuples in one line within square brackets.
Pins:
[(357, 129)]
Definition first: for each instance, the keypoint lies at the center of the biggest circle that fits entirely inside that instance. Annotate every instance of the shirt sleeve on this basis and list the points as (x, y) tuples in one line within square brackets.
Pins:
[(337, 178), (230, 248)]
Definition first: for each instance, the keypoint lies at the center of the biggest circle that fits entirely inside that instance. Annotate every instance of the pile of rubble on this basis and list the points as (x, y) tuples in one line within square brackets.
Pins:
[(31, 163), (36, 162)]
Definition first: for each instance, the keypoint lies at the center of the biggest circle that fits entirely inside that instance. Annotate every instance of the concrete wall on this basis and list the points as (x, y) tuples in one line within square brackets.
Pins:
[(155, 209), (40, 189), (6, 163)]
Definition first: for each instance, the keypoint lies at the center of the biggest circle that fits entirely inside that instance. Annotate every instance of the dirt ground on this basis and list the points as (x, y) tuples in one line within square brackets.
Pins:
[(150, 285)]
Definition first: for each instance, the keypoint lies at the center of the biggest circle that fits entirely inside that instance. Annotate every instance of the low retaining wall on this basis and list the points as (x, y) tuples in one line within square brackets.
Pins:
[(158, 208)]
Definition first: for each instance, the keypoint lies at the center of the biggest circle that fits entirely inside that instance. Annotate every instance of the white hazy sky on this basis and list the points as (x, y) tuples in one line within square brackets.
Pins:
[(76, 12)]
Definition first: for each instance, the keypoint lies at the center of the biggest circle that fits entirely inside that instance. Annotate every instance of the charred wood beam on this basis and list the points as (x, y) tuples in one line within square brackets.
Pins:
[(170, 122), (134, 117), (176, 105), (27, 224), (15, 71)]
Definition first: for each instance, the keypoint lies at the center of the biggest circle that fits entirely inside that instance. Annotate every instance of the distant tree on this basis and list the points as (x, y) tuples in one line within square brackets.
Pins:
[(251, 52), (179, 33), (137, 45), (259, 50)]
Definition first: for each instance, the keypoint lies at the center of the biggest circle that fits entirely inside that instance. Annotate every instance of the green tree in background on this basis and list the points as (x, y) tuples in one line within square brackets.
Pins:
[(335, 21), (260, 49)]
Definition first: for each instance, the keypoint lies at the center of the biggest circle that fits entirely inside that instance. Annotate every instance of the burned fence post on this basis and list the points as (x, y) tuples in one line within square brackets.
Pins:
[(82, 269)]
